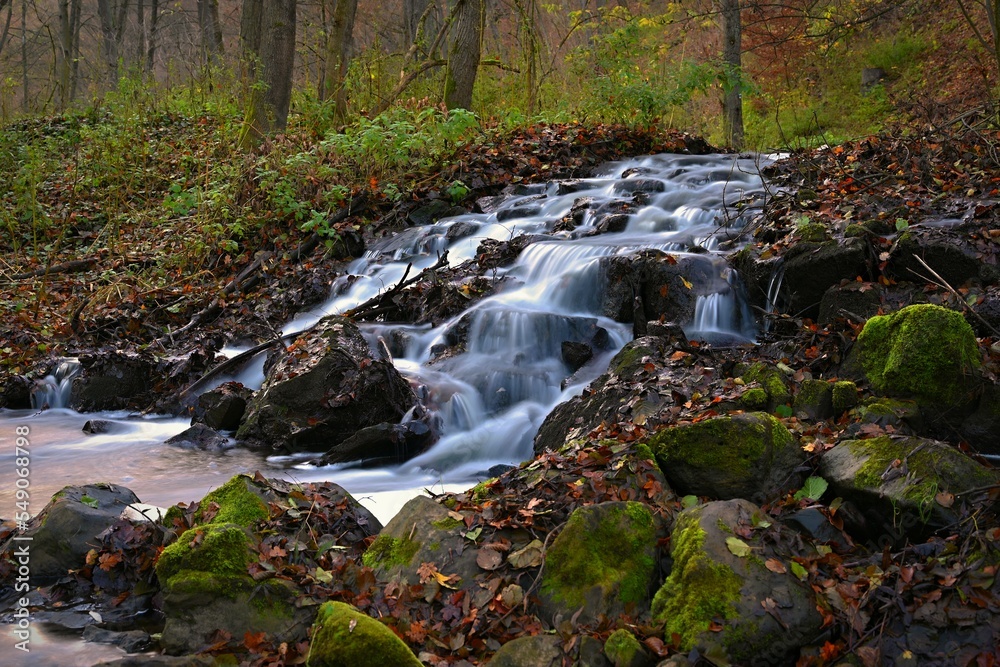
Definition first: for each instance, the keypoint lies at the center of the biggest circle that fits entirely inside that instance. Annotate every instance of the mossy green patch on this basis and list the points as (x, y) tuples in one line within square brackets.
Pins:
[(237, 503), (754, 398), (608, 546), (845, 396), (344, 637), (623, 649), (815, 398), (772, 380), (446, 523), (220, 549), (814, 232), (698, 590), (924, 351), (627, 361), (388, 551)]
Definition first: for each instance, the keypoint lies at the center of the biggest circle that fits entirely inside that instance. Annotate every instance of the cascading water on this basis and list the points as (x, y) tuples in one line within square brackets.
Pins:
[(53, 391)]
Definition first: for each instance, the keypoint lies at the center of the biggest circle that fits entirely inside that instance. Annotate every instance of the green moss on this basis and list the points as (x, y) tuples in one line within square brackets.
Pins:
[(623, 649), (606, 547), (931, 468), (344, 637), (814, 395), (854, 230), (220, 549), (644, 453), (727, 443), (196, 584), (812, 231), (626, 361), (388, 551), (845, 396), (447, 523), (698, 590), (237, 504), (754, 398), (924, 351), (481, 491), (772, 380)]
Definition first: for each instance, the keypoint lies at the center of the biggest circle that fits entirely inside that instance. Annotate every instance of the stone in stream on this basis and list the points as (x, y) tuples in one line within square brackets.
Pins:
[(329, 386), (114, 381), (201, 437), (222, 408), (67, 528), (718, 579)]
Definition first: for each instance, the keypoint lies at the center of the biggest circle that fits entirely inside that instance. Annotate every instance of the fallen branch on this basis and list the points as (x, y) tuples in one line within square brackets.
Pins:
[(941, 282), (74, 266), (376, 303)]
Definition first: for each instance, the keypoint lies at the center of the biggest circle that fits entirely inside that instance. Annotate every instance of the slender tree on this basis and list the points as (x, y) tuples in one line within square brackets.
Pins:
[(732, 52), (463, 56), (212, 47), (9, 6), (338, 55)]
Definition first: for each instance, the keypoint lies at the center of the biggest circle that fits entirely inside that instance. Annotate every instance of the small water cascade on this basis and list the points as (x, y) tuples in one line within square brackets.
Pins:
[(54, 390), (724, 316), (775, 296)]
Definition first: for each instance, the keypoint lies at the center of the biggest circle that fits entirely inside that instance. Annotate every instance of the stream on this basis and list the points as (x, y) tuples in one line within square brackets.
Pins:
[(489, 400)]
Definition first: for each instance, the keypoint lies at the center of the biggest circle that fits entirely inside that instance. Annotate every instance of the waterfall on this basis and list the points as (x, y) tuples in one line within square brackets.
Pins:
[(725, 315), (775, 298), (54, 390)]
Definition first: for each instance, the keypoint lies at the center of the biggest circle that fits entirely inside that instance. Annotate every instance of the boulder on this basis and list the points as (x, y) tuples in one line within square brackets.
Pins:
[(603, 562), (813, 268), (924, 352), (67, 528), (222, 408), (536, 651), (771, 380), (200, 437), (906, 487), (114, 381), (382, 442), (130, 641), (844, 397), (814, 400), (982, 427), (15, 394), (740, 456), (575, 354), (852, 298), (324, 391), (624, 650), (344, 637), (948, 256), (721, 599)]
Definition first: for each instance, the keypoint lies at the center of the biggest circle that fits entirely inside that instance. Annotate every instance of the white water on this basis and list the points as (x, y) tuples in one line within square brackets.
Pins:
[(490, 399)]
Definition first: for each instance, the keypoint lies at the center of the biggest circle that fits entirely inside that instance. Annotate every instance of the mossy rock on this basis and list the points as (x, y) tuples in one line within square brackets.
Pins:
[(344, 637), (812, 268), (624, 650), (239, 501), (771, 380), (813, 232), (603, 561), (754, 398), (710, 585), (535, 651), (896, 481), (738, 456), (894, 412), (844, 396), (924, 352), (814, 400), (219, 548)]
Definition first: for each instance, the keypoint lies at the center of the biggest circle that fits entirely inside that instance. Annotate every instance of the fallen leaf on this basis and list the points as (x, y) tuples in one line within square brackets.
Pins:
[(488, 559), (775, 565), (738, 547), (529, 556)]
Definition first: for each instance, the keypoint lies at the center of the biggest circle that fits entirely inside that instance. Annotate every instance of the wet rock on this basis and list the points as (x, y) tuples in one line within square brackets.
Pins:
[(603, 562), (132, 641), (982, 427), (494, 254), (461, 229), (326, 391), (519, 211), (575, 354), (924, 352), (629, 185), (816, 524), (944, 253), (114, 381), (200, 437), (161, 661), (222, 408), (432, 212), (898, 483), (343, 636), (853, 299), (382, 442), (624, 650), (536, 651), (96, 426), (16, 393), (741, 456), (67, 528), (710, 584), (813, 268)]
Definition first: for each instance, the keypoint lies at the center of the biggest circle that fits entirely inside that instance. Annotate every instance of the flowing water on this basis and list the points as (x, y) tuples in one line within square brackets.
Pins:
[(489, 400)]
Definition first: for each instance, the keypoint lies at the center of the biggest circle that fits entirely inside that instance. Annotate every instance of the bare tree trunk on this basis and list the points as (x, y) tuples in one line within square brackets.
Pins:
[(463, 57), (75, 10), (109, 39), (211, 31), (154, 17), (24, 53), (412, 11), (9, 5), (270, 27), (338, 55), (65, 60), (732, 50)]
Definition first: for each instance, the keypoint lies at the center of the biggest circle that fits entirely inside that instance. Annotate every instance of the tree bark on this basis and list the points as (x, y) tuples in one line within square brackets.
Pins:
[(340, 43), (9, 6), (732, 51), (212, 47), (154, 17), (65, 60), (112, 20), (267, 33), (463, 57)]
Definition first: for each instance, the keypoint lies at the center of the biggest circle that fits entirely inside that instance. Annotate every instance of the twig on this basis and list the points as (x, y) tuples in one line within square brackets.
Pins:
[(941, 282)]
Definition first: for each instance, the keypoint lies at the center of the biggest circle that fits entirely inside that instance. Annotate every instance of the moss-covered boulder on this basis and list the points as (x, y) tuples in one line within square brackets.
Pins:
[(906, 487), (771, 380), (814, 400), (603, 561), (344, 637), (423, 531), (901, 414), (844, 397), (924, 352), (719, 583), (624, 650), (740, 456), (331, 387), (67, 528)]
